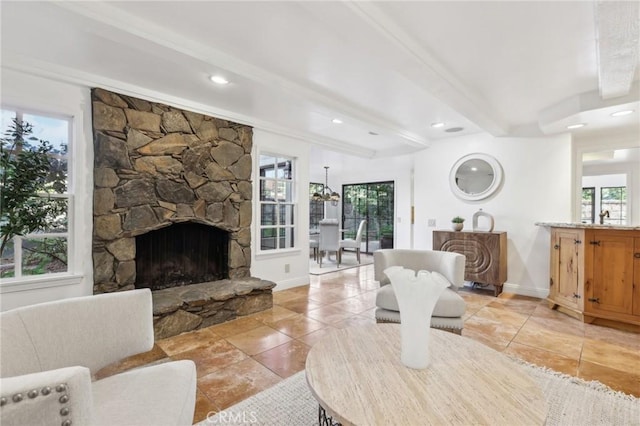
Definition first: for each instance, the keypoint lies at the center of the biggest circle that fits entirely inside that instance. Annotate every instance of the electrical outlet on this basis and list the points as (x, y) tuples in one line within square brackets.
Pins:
[(287, 268), (431, 222)]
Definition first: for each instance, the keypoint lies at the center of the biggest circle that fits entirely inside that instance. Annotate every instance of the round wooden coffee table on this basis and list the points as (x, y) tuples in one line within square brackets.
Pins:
[(358, 379)]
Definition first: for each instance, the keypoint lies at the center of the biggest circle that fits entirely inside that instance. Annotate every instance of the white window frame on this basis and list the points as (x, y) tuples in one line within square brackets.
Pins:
[(291, 230), (69, 195)]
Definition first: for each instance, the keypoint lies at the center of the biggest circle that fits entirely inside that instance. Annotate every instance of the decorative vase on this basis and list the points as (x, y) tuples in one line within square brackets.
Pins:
[(457, 226), (417, 295), (479, 214)]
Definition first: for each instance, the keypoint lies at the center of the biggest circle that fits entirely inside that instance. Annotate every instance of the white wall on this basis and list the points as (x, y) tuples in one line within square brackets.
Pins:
[(536, 187), (271, 266), (20, 90)]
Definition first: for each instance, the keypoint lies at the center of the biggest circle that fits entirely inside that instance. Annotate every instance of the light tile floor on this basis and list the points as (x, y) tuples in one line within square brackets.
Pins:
[(240, 358)]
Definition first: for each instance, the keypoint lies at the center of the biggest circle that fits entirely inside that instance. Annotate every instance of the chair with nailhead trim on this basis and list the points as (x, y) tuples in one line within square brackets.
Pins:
[(50, 351)]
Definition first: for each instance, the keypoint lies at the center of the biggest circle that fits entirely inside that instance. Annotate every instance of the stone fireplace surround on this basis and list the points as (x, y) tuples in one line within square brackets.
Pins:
[(155, 165)]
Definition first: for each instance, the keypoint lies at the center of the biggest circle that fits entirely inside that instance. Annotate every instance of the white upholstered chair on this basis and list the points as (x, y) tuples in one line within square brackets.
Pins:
[(329, 239), (50, 352), (313, 245), (450, 307), (350, 243)]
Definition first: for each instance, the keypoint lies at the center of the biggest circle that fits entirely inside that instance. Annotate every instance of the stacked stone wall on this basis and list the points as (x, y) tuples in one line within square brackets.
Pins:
[(155, 165)]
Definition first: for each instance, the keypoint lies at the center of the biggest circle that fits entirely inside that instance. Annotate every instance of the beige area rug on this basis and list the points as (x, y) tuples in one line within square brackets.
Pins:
[(348, 261), (572, 401)]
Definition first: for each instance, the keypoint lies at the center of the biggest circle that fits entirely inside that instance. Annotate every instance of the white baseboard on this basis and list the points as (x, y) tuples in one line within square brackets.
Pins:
[(291, 283), (540, 293)]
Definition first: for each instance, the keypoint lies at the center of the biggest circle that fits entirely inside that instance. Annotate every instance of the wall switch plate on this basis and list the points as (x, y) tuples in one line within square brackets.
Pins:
[(431, 222), (287, 268)]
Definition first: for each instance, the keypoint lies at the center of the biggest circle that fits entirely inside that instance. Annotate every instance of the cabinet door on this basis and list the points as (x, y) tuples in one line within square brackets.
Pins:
[(612, 287), (567, 245), (636, 277)]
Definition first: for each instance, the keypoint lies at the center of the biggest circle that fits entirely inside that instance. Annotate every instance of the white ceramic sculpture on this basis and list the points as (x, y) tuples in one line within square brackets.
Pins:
[(417, 295), (477, 215)]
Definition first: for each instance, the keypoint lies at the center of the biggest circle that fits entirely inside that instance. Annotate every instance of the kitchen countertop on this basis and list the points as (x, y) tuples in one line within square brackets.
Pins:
[(587, 226)]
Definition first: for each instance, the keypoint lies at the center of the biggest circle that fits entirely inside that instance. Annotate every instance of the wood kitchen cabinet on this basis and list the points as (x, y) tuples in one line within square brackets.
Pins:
[(485, 252), (612, 285), (595, 273), (567, 270)]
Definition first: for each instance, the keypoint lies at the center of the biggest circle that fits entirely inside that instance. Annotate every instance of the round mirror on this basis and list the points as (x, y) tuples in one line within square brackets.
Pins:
[(475, 176)]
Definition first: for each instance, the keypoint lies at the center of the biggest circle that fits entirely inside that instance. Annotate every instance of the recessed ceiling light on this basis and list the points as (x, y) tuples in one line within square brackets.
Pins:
[(621, 113), (576, 126), (436, 125), (454, 129), (336, 121), (219, 79)]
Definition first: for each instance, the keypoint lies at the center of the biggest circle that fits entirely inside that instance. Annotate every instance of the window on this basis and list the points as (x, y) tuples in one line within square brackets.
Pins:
[(41, 246), (316, 208), (614, 200), (277, 206), (588, 205)]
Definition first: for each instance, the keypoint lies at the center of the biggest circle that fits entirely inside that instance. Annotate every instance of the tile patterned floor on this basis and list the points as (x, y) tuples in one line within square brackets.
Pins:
[(240, 358)]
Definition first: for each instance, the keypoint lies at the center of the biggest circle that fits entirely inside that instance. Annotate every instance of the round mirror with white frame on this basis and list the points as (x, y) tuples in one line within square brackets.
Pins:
[(475, 177)]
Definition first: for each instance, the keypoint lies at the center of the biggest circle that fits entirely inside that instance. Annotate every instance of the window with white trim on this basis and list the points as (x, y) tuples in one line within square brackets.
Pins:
[(44, 248), (613, 201), (276, 202)]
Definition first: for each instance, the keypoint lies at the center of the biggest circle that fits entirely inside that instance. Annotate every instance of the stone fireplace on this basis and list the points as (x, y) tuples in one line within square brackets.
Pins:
[(174, 186)]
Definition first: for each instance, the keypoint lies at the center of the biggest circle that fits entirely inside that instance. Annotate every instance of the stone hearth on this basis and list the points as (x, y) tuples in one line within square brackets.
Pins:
[(156, 166), (186, 308)]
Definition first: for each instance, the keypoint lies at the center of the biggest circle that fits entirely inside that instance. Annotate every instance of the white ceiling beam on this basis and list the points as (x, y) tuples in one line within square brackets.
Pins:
[(438, 79), (618, 43)]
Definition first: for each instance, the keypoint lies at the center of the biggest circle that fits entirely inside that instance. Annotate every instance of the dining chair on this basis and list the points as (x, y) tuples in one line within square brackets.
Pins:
[(314, 244), (352, 243), (329, 239)]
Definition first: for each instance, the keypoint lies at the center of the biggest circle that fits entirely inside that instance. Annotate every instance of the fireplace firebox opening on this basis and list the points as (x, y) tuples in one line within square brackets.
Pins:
[(181, 254)]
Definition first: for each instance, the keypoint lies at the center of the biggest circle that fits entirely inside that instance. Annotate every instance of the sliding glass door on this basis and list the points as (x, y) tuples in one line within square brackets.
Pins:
[(372, 202)]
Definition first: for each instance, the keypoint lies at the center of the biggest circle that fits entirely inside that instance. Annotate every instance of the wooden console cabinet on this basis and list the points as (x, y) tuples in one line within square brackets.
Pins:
[(595, 273), (486, 254)]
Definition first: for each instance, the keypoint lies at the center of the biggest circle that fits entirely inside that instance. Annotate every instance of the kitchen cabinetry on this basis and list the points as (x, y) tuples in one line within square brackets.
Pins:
[(595, 273), (567, 270), (485, 253), (612, 285)]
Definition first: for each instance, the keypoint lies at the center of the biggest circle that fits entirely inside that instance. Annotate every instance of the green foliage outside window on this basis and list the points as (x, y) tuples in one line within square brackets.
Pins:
[(29, 171), (614, 200)]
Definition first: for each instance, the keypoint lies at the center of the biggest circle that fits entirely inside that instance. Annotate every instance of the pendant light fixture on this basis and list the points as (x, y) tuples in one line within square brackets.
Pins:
[(327, 193)]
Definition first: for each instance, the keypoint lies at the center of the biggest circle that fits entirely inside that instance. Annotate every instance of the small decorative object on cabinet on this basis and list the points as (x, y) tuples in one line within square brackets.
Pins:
[(457, 223), (595, 273), (476, 216), (486, 254)]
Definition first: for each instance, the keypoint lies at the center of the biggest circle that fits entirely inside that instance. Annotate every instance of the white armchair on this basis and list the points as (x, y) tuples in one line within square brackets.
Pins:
[(354, 243), (49, 352), (450, 307)]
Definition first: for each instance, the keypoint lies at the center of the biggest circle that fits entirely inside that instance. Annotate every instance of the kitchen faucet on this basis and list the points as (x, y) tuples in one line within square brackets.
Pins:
[(603, 214)]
